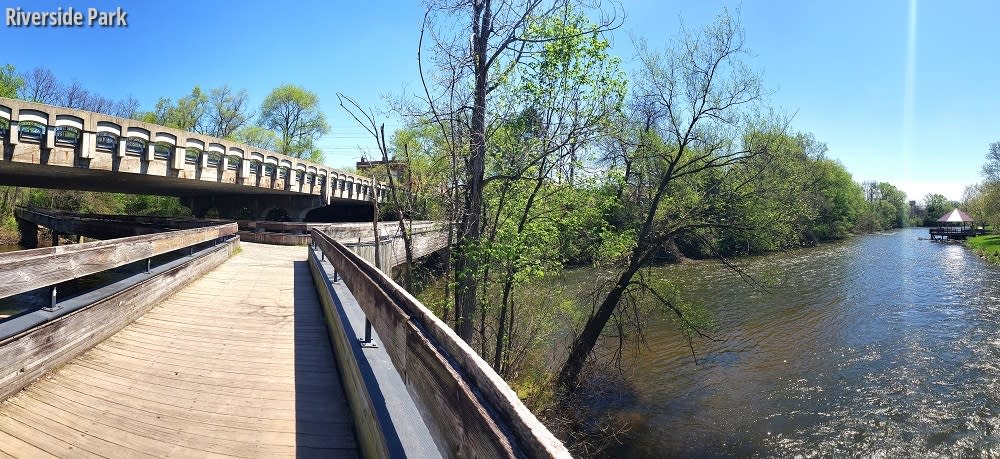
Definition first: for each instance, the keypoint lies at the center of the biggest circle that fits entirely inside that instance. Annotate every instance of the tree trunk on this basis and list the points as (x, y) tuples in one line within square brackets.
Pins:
[(569, 374), (467, 263)]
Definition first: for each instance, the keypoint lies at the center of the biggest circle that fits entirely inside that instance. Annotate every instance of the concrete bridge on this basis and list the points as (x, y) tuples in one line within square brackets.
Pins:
[(217, 347), (54, 147)]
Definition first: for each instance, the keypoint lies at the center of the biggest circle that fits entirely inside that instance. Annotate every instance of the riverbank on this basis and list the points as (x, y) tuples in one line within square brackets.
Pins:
[(987, 247)]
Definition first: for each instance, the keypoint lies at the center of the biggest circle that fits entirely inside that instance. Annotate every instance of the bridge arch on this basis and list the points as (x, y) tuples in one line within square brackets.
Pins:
[(69, 130), (32, 126), (37, 116), (135, 144), (107, 136), (233, 162), (166, 143)]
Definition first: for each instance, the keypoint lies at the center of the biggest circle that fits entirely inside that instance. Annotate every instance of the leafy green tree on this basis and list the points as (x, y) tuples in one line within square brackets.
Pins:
[(936, 205), (838, 199), (187, 114), (10, 81), (464, 104), (293, 112), (257, 136)]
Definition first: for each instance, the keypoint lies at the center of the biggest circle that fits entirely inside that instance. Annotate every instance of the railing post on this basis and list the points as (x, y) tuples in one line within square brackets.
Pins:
[(53, 303), (149, 265), (367, 340)]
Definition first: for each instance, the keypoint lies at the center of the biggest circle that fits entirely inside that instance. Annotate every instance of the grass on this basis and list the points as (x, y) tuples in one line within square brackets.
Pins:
[(987, 247)]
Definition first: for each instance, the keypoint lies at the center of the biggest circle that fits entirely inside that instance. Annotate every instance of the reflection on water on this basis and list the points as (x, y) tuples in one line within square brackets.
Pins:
[(882, 345)]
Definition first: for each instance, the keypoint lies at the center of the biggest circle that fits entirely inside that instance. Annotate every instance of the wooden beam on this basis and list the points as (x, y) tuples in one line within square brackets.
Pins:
[(27, 270)]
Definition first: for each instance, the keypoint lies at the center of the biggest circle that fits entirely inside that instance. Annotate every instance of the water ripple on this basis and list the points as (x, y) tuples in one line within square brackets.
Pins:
[(883, 346)]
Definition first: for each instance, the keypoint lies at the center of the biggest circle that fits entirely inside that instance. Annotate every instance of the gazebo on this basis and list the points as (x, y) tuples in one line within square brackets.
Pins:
[(955, 225)]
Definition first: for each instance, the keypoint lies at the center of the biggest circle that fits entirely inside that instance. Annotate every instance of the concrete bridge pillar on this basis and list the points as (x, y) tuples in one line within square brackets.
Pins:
[(12, 137)]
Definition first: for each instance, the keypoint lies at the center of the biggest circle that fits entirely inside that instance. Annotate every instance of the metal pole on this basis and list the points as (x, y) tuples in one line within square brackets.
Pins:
[(53, 303), (149, 264), (367, 341)]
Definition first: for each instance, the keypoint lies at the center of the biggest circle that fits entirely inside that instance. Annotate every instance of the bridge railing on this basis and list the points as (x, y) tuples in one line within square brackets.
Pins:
[(37, 341), (78, 138), (466, 405), (27, 270)]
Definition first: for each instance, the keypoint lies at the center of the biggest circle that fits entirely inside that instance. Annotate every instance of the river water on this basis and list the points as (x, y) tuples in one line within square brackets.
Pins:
[(883, 345)]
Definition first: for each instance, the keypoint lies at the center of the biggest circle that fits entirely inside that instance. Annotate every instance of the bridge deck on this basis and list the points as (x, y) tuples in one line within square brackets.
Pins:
[(236, 364)]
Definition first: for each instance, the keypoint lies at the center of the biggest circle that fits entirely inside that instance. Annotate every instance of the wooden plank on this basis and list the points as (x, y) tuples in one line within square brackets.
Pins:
[(11, 446), (27, 270), (25, 357), (74, 431), (177, 383)]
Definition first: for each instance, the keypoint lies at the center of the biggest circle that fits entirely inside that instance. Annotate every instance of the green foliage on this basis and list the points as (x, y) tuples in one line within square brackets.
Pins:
[(936, 205), (10, 81), (186, 114), (987, 247), (256, 136), (293, 112), (885, 208)]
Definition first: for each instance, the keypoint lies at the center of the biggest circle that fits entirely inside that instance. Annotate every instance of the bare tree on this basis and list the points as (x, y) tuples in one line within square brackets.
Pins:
[(41, 86), (128, 107), (396, 194), (74, 95), (227, 111)]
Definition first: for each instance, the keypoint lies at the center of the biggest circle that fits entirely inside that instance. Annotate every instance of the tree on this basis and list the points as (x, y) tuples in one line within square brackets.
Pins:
[(10, 81), (187, 114), (470, 70), (226, 112), (377, 131), (75, 96), (991, 168), (697, 106), (256, 136), (937, 205), (293, 112), (41, 86)]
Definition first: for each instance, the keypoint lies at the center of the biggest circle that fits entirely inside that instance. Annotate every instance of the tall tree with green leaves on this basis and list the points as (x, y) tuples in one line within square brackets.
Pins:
[(462, 99), (293, 112), (10, 81), (256, 136), (187, 114)]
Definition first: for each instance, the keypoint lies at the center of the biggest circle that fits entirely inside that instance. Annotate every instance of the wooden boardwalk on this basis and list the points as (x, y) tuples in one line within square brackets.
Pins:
[(236, 364)]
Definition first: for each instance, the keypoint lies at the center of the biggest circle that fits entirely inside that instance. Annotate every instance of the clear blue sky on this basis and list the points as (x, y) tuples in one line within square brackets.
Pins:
[(839, 67)]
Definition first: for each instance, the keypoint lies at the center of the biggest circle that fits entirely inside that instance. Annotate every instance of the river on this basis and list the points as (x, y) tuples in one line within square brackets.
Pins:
[(882, 345)]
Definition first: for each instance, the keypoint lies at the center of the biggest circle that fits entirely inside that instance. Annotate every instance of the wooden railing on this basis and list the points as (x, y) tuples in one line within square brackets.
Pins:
[(38, 341), (467, 406), (102, 226), (27, 270)]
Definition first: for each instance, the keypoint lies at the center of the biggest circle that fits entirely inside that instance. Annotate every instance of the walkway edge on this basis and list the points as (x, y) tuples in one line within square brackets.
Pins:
[(28, 356)]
